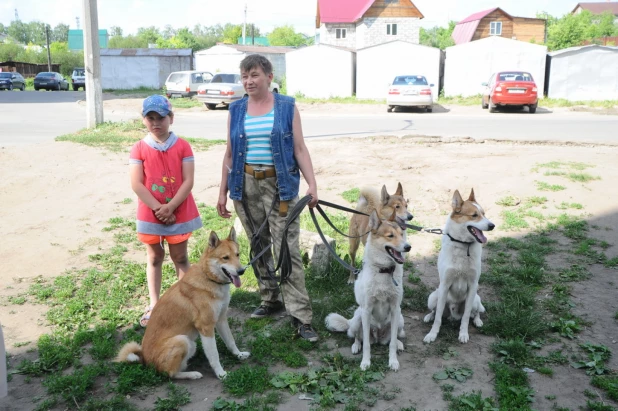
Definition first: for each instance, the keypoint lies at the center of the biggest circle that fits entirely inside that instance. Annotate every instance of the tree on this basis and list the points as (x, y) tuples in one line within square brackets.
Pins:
[(129, 42), (168, 32), (150, 34), (286, 36), (573, 30), (439, 37), (2, 29), (18, 31), (231, 32), (60, 33), (115, 31)]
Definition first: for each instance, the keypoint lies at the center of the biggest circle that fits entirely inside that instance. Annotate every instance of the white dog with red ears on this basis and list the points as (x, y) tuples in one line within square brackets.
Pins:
[(459, 266)]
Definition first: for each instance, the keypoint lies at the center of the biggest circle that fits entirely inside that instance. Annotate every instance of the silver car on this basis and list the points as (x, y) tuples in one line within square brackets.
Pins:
[(224, 88), (410, 91)]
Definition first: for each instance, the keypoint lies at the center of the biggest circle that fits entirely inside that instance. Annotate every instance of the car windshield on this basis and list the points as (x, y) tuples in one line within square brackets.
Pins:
[(44, 75), (515, 76), (5, 75), (410, 81), (79, 72), (224, 78)]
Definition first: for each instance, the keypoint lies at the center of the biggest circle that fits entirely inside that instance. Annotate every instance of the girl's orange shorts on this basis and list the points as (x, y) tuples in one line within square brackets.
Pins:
[(158, 239)]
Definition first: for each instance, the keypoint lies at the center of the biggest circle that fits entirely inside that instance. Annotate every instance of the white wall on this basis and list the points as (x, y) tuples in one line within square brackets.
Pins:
[(372, 31), (219, 59), (377, 66), (320, 71), (129, 72), (586, 73), (470, 64), (328, 35)]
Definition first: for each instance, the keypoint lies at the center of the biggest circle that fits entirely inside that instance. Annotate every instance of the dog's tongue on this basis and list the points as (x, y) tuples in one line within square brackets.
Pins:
[(481, 236), (236, 281), (398, 256)]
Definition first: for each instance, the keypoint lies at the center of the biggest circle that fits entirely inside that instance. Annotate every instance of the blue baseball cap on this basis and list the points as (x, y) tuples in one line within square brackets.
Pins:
[(158, 104)]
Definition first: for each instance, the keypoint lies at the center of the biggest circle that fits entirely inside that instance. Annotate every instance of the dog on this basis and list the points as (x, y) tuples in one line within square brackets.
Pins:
[(459, 267), (195, 305), (378, 291), (385, 204)]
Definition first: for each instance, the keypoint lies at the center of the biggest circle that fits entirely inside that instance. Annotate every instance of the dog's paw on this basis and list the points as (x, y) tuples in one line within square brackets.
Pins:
[(365, 365), (356, 347), (400, 346), (243, 355), (401, 334), (394, 364), (429, 338), (478, 322), (194, 375), (429, 317), (350, 281), (221, 375), (463, 337)]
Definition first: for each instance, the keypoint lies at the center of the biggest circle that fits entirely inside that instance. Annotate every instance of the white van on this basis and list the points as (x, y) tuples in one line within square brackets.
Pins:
[(185, 83)]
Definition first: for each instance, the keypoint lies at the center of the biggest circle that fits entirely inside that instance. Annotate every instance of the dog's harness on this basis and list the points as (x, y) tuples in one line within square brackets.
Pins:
[(469, 243)]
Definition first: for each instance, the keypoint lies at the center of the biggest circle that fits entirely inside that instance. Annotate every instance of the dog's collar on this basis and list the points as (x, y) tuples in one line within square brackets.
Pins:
[(387, 270), (469, 243)]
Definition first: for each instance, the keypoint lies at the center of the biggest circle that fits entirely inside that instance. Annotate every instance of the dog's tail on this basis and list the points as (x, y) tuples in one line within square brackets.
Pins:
[(336, 322), (130, 352)]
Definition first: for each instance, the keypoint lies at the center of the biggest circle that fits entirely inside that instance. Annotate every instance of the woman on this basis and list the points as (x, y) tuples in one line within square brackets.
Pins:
[(265, 154)]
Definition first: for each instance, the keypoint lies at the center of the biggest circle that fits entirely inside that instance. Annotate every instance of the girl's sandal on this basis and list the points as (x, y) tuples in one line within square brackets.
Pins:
[(144, 320)]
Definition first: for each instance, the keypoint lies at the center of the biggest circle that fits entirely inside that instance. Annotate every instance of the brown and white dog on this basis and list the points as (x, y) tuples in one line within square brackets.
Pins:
[(385, 204), (459, 267), (195, 305), (378, 291)]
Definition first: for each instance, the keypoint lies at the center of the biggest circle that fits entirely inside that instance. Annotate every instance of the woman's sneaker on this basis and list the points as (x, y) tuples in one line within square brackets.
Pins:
[(266, 310)]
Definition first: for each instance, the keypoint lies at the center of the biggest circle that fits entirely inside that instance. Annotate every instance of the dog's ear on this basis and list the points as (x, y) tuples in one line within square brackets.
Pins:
[(471, 198), (457, 202), (399, 191), (385, 195), (374, 220), (232, 235), (213, 240)]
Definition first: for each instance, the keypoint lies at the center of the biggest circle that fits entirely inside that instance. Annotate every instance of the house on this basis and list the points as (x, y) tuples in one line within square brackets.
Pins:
[(27, 69), (227, 57), (126, 69), (335, 79), (496, 22), (597, 8), (583, 73), (76, 39), (356, 24)]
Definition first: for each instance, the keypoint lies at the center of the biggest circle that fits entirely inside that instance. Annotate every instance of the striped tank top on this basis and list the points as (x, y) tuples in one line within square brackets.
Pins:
[(258, 130)]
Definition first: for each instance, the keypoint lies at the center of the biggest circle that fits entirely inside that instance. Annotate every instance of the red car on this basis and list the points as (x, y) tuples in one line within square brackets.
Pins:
[(510, 88)]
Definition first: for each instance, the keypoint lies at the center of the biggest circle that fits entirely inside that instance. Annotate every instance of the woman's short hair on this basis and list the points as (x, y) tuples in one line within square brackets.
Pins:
[(256, 60)]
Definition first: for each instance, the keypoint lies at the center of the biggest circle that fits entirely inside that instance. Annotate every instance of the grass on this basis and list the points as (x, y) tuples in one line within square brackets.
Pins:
[(543, 186), (300, 98), (136, 92), (518, 218), (121, 136)]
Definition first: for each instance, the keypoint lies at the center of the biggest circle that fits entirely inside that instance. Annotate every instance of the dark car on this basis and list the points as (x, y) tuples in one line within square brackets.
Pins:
[(9, 81), (50, 81), (78, 78)]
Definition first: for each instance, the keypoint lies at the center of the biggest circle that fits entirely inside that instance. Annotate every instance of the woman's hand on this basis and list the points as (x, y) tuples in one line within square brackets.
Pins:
[(221, 206)]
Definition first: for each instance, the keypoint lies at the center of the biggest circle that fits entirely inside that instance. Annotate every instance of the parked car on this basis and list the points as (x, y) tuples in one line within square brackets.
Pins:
[(510, 88), (224, 88), (12, 80), (185, 83), (78, 79), (50, 81), (410, 91)]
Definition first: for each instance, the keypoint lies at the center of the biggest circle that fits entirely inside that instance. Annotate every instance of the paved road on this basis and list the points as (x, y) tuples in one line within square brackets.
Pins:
[(29, 117)]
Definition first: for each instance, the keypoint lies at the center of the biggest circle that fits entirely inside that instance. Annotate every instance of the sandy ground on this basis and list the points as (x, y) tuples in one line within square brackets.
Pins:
[(58, 196)]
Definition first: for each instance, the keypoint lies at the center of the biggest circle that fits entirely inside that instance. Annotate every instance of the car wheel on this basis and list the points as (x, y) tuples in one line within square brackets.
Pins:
[(210, 106), (532, 108), (389, 109), (36, 89), (75, 88), (430, 109), (10, 87), (492, 106), (483, 105), (23, 87)]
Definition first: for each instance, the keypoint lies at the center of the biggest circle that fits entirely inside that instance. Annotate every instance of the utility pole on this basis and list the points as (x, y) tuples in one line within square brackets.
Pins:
[(49, 67), (92, 65), (244, 26)]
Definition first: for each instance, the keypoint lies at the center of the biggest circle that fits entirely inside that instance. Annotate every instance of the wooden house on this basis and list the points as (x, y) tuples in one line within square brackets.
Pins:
[(497, 22), (598, 8), (356, 24)]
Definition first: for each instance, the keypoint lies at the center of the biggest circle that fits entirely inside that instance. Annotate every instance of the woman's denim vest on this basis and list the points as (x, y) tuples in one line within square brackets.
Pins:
[(282, 144)]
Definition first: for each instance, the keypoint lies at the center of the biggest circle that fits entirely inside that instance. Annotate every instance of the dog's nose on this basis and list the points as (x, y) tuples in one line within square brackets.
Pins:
[(241, 271), (410, 216), (491, 226), (407, 248)]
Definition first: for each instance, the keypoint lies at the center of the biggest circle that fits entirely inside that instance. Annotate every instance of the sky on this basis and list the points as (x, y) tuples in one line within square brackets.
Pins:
[(265, 14)]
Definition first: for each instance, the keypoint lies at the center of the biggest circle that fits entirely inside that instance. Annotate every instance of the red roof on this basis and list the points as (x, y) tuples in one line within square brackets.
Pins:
[(599, 7), (465, 29), (342, 11)]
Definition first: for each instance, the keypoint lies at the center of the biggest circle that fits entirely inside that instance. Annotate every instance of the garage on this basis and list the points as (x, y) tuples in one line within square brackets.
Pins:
[(585, 73), (377, 66), (321, 71), (470, 64)]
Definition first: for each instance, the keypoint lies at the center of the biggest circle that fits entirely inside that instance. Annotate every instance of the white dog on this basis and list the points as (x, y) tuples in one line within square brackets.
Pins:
[(378, 291), (459, 266)]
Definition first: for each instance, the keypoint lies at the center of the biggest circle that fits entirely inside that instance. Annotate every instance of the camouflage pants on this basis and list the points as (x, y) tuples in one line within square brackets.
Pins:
[(258, 196)]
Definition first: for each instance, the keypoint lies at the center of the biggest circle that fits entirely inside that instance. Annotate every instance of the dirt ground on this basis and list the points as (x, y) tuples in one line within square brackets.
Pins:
[(57, 197)]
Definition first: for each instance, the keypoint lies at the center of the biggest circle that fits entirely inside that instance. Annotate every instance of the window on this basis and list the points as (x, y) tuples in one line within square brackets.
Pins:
[(495, 28), (340, 33), (391, 1), (391, 29)]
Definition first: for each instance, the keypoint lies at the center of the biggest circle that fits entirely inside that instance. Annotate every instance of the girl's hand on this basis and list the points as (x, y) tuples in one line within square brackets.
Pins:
[(164, 212), (171, 220)]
